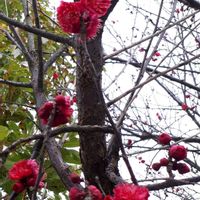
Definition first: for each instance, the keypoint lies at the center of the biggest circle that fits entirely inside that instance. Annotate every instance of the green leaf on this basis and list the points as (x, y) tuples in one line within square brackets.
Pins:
[(57, 197), (13, 136), (71, 156), (3, 132), (53, 181), (5, 183), (72, 140), (13, 126), (9, 163)]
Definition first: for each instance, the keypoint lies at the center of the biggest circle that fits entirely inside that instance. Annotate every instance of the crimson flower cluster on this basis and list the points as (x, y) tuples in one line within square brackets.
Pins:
[(91, 191), (121, 191), (127, 191), (71, 14), (75, 178), (63, 111), (78, 194), (25, 173), (175, 152)]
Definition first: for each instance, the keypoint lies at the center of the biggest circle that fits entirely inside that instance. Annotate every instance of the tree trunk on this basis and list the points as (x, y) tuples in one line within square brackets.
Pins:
[(92, 112)]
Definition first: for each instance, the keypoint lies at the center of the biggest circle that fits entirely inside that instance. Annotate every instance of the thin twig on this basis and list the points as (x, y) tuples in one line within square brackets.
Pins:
[(21, 45), (147, 38), (172, 183), (152, 78)]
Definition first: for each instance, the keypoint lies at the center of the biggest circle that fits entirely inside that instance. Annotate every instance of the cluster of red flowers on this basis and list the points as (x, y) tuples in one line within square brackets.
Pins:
[(91, 191), (123, 191), (75, 178), (129, 191), (176, 153), (78, 194), (63, 111), (25, 172), (71, 14)]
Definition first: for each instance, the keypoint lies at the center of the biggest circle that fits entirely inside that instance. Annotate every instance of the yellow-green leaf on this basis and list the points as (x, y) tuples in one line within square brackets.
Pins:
[(3, 132)]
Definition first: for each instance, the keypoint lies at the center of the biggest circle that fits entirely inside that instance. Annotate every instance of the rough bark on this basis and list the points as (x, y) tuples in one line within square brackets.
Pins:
[(91, 112)]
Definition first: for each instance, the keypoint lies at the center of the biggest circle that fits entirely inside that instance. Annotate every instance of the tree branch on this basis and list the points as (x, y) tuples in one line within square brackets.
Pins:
[(18, 42), (39, 48), (37, 31), (53, 58), (74, 128), (191, 3), (83, 128), (148, 37), (151, 79), (17, 84), (172, 183), (148, 69)]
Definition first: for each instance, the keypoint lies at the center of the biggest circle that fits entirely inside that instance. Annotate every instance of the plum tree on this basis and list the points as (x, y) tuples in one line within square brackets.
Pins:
[(99, 99)]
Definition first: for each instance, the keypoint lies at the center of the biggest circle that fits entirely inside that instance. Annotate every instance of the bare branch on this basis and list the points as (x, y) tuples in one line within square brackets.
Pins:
[(111, 172), (18, 42), (172, 182), (191, 3), (151, 79), (83, 128), (39, 47), (171, 78), (53, 58), (42, 33), (149, 37), (74, 128), (17, 84)]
